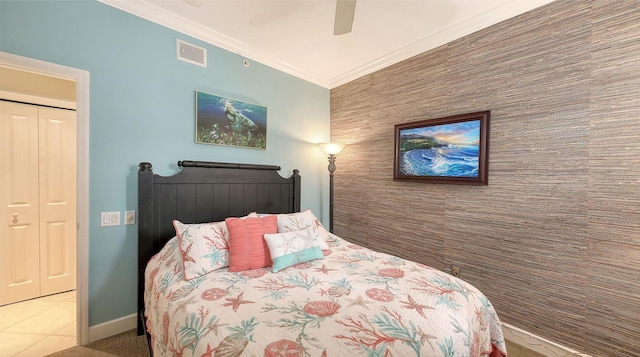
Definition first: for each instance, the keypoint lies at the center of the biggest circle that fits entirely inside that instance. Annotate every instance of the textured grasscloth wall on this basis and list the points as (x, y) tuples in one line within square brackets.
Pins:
[(554, 240)]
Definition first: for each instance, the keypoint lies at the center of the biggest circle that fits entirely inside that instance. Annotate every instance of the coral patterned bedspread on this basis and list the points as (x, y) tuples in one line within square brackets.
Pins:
[(353, 302)]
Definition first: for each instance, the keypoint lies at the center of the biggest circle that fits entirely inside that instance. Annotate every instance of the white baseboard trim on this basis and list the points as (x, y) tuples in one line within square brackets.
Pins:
[(113, 327), (537, 343)]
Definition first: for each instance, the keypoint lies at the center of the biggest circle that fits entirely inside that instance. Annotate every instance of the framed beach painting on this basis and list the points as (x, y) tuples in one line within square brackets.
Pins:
[(452, 150), (230, 122)]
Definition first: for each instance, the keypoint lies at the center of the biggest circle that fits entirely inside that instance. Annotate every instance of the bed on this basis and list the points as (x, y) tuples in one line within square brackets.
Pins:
[(207, 287)]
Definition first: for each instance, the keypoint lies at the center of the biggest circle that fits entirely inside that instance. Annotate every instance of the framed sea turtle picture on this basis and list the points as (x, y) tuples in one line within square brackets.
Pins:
[(452, 150), (230, 122)]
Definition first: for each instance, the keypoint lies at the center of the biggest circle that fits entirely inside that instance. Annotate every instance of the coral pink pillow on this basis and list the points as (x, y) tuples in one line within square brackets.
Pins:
[(247, 247)]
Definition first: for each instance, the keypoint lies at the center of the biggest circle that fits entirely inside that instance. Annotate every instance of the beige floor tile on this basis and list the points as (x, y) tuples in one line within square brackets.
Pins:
[(14, 343), (20, 311), (69, 330), (38, 327), (48, 345), (69, 296), (47, 322)]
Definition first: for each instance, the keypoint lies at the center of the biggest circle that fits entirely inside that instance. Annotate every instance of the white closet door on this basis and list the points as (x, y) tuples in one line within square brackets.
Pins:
[(19, 203), (57, 178), (37, 201)]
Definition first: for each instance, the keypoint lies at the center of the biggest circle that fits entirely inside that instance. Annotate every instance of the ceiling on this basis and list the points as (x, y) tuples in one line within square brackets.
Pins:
[(296, 36)]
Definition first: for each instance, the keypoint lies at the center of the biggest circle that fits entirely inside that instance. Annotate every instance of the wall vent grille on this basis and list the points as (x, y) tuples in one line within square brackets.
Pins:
[(191, 53)]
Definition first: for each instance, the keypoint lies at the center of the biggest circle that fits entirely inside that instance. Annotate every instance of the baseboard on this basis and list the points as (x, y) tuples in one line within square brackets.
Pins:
[(113, 327), (537, 343)]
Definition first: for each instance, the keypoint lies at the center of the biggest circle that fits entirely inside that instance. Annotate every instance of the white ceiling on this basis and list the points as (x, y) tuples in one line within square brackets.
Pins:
[(296, 36)]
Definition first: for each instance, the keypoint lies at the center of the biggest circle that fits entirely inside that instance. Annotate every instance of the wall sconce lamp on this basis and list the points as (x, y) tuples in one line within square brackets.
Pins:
[(331, 149)]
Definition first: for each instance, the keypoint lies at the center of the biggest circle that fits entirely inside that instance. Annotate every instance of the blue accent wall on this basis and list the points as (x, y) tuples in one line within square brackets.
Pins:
[(142, 108)]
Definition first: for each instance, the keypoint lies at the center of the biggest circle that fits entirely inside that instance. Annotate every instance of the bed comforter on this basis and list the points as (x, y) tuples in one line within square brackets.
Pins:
[(353, 302)]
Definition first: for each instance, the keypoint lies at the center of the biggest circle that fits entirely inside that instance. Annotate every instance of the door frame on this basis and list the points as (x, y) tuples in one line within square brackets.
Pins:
[(81, 77)]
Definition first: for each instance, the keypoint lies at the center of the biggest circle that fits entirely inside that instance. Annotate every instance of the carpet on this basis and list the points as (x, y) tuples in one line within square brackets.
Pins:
[(126, 344), (516, 350)]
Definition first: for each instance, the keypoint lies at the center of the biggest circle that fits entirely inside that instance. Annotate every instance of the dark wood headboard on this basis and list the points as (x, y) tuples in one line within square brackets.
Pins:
[(205, 192)]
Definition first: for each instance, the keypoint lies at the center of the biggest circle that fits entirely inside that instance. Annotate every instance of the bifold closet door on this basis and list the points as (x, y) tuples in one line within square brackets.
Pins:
[(37, 201), (57, 183), (20, 235)]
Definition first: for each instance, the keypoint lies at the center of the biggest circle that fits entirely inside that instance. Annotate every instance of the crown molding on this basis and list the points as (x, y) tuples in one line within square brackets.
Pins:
[(504, 11), (164, 18), (483, 20)]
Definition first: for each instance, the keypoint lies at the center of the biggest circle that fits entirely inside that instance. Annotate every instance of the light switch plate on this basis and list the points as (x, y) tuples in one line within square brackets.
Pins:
[(110, 219), (129, 217)]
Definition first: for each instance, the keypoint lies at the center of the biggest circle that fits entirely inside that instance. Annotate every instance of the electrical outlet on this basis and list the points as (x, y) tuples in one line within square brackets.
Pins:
[(455, 270), (110, 219), (129, 217)]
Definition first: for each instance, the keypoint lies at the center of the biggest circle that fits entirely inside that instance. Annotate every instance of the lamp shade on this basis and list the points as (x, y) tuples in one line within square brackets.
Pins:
[(331, 148)]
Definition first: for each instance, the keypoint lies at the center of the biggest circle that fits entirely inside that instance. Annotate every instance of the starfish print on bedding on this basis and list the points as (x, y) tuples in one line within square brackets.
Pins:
[(235, 303), (358, 301), (309, 240), (412, 304), (478, 313), (425, 337), (185, 254), (324, 269), (182, 305), (287, 243), (298, 257)]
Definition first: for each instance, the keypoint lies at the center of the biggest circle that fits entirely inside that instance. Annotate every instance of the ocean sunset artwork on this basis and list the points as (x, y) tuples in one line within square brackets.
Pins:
[(452, 150)]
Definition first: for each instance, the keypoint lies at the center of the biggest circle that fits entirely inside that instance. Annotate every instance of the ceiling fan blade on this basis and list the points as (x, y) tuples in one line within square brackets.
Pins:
[(344, 16)]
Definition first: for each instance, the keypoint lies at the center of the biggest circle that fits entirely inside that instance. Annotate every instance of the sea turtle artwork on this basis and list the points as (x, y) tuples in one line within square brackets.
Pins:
[(230, 122), (238, 121)]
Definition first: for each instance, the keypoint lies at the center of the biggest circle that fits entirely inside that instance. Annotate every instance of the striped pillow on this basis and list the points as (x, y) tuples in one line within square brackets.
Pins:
[(247, 248)]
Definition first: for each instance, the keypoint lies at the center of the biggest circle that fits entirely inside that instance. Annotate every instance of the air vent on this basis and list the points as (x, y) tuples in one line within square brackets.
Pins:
[(191, 53)]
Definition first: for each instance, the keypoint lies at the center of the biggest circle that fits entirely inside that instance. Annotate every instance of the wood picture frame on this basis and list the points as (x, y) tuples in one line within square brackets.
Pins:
[(453, 150)]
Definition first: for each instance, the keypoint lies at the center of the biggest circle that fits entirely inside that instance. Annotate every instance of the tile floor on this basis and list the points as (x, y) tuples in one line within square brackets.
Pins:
[(38, 327)]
